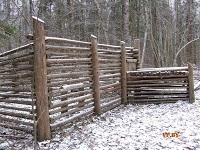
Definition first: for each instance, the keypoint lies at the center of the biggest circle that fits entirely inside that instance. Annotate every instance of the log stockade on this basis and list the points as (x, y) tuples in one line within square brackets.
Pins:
[(50, 83)]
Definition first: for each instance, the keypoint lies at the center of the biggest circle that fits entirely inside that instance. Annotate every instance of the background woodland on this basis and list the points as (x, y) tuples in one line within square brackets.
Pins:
[(168, 29)]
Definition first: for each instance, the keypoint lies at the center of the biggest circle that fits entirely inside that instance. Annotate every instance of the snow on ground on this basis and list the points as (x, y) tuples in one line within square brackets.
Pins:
[(136, 127), (131, 127)]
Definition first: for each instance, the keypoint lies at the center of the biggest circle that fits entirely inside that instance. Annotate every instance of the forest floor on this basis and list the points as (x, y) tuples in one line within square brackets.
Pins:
[(131, 127)]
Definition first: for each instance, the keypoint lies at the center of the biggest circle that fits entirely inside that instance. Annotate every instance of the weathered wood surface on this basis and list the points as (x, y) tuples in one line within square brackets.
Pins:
[(95, 73), (123, 73), (40, 74), (159, 84), (63, 40), (191, 83)]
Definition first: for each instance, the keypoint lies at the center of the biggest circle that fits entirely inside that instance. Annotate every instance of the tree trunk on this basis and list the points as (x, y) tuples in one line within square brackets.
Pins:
[(189, 50), (125, 22)]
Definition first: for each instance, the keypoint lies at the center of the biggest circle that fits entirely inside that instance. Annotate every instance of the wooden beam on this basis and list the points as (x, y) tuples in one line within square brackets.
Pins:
[(191, 83), (40, 80), (95, 72), (123, 73)]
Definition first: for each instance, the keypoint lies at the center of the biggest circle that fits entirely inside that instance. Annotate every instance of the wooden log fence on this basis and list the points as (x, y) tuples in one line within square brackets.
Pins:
[(52, 82), (160, 85)]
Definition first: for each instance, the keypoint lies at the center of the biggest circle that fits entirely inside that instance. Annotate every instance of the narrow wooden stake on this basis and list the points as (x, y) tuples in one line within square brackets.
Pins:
[(191, 84), (137, 46), (40, 77), (123, 73), (95, 71)]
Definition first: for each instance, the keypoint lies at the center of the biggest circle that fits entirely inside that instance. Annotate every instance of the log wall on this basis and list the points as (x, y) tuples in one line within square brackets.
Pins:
[(69, 80), (17, 105), (160, 85)]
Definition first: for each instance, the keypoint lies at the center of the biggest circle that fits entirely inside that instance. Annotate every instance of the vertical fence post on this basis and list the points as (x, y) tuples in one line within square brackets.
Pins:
[(40, 80), (137, 46), (191, 84), (95, 72), (123, 73)]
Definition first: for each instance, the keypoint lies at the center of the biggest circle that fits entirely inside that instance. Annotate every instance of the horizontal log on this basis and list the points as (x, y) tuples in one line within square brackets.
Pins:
[(16, 108), (110, 80), (158, 85), (108, 46), (63, 40), (60, 68), (180, 88), (17, 69), (8, 95), (109, 56), (109, 76), (18, 49), (23, 55), (111, 105), (15, 89), (68, 54), (16, 83), (71, 119), (132, 57), (61, 61), (109, 99), (12, 120), (17, 76), (75, 87), (64, 57), (79, 93), (109, 71), (109, 51), (69, 75), (129, 48), (11, 83), (109, 65), (17, 127), (16, 101), (67, 108), (136, 55), (131, 60), (106, 82), (15, 114), (70, 101), (158, 96), (17, 60), (161, 99), (70, 112), (162, 69), (106, 91), (171, 80), (166, 92), (154, 102), (69, 81), (155, 77), (57, 93), (109, 60), (110, 86), (7, 84), (67, 48)]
